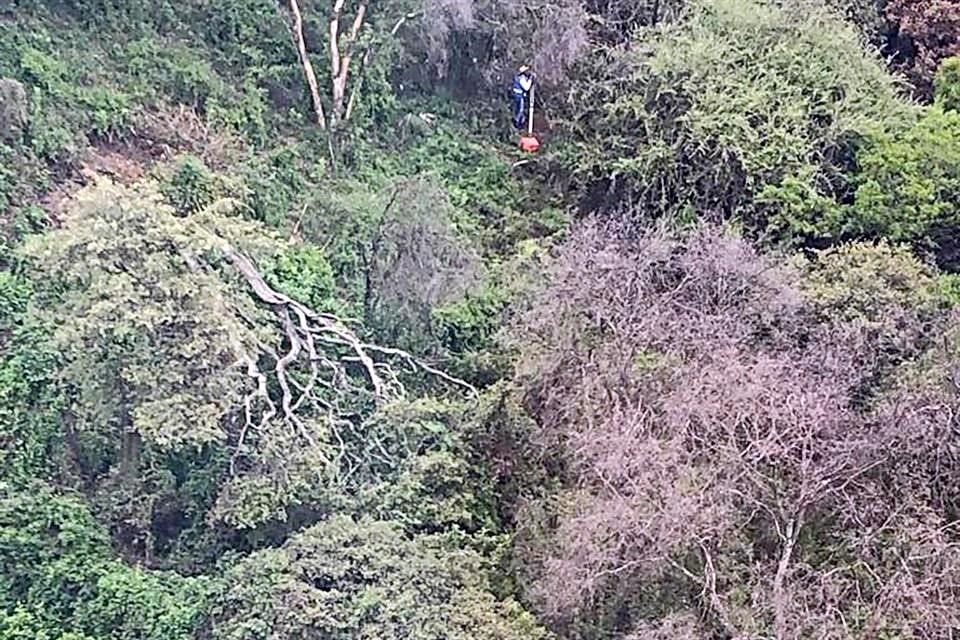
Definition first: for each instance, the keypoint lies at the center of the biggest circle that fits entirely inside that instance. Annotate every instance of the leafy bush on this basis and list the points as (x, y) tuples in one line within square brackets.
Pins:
[(23, 624), (304, 273), (707, 114), (51, 549), (132, 604), (191, 187), (908, 187), (109, 110), (948, 84), (867, 281), (283, 180), (58, 574), (7, 177), (365, 579)]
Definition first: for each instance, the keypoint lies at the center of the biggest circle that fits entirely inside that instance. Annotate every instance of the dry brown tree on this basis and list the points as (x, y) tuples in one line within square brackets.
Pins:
[(735, 461)]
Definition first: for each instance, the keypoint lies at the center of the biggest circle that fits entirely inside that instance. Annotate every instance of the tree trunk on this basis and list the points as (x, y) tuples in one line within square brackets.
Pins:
[(130, 447), (340, 61), (779, 581), (307, 66)]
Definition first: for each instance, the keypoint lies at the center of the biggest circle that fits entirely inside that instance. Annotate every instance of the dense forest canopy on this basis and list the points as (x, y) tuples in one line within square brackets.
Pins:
[(296, 344)]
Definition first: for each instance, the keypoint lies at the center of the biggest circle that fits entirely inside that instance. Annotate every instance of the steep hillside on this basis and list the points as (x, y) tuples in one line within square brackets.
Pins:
[(296, 343)]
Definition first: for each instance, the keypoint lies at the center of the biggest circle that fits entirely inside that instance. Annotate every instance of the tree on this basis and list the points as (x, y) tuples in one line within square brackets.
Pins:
[(351, 579), (722, 450), (746, 110), (174, 345), (352, 40)]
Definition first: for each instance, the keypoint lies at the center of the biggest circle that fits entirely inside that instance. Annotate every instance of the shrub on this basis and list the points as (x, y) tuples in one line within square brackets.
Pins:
[(707, 115), (908, 187), (191, 186), (948, 84)]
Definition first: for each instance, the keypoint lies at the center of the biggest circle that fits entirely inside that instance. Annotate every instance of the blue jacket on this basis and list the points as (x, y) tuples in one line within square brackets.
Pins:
[(520, 94)]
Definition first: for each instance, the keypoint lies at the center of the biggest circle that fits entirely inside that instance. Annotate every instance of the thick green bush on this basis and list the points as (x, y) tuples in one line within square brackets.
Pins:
[(908, 187), (344, 579), (304, 273), (709, 114), (191, 186), (58, 573), (948, 84)]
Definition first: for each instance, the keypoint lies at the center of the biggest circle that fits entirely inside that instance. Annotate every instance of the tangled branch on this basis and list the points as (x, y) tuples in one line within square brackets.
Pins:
[(327, 347)]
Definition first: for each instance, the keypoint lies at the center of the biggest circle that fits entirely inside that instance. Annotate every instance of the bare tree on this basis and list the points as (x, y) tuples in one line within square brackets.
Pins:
[(350, 50), (719, 437)]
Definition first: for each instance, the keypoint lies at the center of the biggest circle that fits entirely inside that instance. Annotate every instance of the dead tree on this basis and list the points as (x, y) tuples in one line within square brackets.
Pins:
[(344, 35)]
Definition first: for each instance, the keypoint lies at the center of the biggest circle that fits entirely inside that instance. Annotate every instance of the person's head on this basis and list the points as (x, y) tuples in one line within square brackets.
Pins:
[(524, 70)]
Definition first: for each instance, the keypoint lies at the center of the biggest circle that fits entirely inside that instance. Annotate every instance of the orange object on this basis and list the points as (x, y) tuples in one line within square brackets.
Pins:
[(529, 144)]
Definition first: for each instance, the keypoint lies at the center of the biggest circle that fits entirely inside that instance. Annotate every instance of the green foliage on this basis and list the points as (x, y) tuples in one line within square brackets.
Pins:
[(151, 351), (283, 181), (908, 186), (411, 463), (14, 295), (7, 176), (30, 432), (51, 550), (710, 113), (490, 202), (64, 109), (87, 86), (303, 273), (469, 328), (29, 405), (365, 579), (191, 187), (136, 353), (58, 575), (869, 281), (109, 109), (243, 32), (164, 606), (23, 624), (947, 85)]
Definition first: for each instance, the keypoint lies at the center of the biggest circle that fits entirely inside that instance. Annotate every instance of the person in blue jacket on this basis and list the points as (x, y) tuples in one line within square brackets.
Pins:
[(520, 93)]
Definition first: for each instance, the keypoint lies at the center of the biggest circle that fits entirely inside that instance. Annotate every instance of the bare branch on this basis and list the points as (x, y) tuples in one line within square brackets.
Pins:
[(307, 66)]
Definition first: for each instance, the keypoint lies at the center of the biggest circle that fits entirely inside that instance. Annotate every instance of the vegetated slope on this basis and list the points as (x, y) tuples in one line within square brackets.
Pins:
[(259, 380)]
